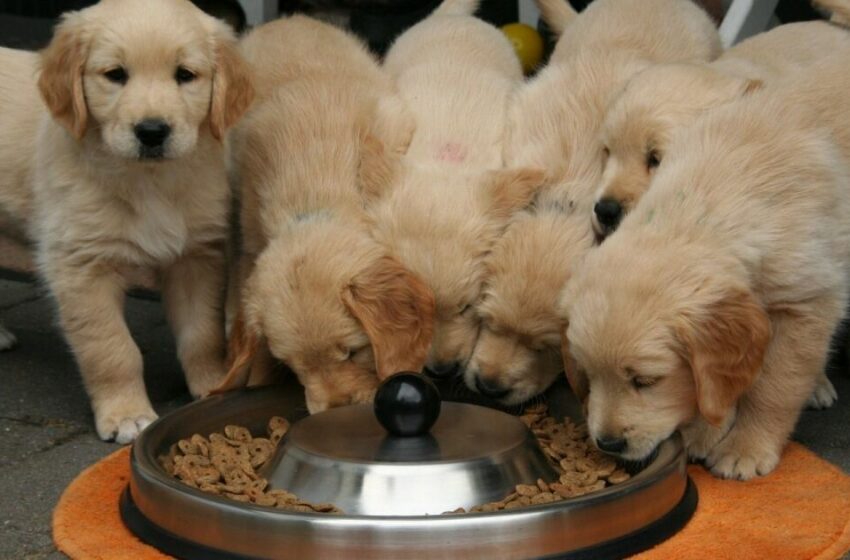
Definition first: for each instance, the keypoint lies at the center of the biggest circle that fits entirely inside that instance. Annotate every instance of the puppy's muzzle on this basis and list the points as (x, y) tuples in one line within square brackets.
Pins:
[(152, 135), (608, 212), (490, 388), (613, 445), (443, 371)]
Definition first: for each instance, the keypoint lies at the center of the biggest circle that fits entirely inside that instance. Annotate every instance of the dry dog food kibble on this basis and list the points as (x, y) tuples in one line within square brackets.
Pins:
[(226, 464), (581, 467)]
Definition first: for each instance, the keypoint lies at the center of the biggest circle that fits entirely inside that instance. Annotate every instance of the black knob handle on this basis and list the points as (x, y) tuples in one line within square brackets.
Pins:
[(407, 404)]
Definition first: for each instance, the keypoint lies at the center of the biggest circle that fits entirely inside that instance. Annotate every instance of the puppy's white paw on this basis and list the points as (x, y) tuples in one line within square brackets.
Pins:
[(824, 395), (731, 459), (7, 339), (123, 424)]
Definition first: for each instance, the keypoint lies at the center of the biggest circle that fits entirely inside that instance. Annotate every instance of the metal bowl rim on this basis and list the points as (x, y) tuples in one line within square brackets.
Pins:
[(148, 467)]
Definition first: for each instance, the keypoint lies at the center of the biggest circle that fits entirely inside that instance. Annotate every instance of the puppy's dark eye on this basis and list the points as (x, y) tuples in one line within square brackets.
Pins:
[(642, 382), (653, 160), (183, 75), (605, 152), (117, 76)]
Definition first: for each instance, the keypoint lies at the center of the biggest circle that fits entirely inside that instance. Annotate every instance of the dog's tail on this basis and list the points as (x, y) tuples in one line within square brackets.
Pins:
[(839, 10), (457, 7), (556, 13)]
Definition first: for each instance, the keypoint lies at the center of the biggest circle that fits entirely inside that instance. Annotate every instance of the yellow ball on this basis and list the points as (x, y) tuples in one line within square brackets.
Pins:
[(527, 42)]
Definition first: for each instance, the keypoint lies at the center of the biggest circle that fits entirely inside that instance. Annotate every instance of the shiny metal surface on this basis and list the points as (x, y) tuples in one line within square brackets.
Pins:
[(473, 455), (266, 533)]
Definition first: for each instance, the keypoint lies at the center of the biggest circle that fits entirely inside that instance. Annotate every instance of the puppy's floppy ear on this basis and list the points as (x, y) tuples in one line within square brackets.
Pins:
[(396, 310), (510, 190), (242, 347), (61, 79), (576, 379), (233, 89), (725, 347)]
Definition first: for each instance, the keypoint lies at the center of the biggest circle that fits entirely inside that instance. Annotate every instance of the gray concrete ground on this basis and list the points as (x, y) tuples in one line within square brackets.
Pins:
[(46, 429)]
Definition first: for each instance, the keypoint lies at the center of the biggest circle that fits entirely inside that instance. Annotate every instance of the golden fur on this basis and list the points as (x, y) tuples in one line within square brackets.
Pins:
[(21, 112), (97, 208), (440, 206), (317, 291), (554, 121), (712, 307), (663, 98)]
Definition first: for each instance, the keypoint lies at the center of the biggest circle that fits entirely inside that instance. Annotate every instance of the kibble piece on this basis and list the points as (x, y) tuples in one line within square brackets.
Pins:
[(237, 433), (618, 476), (527, 490)]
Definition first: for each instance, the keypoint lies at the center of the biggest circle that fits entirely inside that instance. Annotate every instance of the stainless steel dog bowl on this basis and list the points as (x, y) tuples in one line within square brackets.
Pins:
[(187, 523), (473, 455)]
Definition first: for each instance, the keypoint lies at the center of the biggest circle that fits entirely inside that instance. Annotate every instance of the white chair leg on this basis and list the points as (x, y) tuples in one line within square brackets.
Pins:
[(746, 18), (259, 11)]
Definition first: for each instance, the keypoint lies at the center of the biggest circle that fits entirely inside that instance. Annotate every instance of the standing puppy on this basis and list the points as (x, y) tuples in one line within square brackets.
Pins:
[(712, 307), (318, 292), (128, 171), (555, 126), (441, 206)]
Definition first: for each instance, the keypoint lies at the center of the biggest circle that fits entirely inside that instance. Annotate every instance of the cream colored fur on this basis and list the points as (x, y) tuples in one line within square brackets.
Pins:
[(661, 99), (318, 292), (555, 120), (21, 109), (664, 98), (441, 206), (96, 210), (711, 309)]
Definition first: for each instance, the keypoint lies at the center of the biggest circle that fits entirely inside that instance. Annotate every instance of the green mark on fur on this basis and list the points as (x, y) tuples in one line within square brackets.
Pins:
[(649, 216)]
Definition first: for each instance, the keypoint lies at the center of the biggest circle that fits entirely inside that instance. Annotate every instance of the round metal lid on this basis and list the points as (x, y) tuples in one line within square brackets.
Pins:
[(463, 432), (472, 455)]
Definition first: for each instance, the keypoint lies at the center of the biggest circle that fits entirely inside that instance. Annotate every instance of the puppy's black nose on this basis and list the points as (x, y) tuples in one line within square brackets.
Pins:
[(608, 212), (443, 371), (152, 132), (490, 388), (611, 445)]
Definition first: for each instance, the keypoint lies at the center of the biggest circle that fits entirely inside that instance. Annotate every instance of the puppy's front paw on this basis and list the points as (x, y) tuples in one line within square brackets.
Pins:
[(824, 395), (123, 424), (733, 458), (701, 437), (7, 339)]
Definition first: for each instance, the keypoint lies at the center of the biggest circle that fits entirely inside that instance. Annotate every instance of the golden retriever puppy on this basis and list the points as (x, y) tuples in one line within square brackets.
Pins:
[(19, 118), (712, 307), (440, 207), (118, 164), (555, 122), (664, 98), (318, 291), (641, 120)]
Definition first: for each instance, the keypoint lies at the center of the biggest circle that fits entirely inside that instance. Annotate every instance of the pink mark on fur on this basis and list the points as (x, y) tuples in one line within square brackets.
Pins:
[(451, 152)]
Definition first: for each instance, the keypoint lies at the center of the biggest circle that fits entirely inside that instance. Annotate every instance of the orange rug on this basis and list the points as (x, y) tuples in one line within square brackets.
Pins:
[(800, 511)]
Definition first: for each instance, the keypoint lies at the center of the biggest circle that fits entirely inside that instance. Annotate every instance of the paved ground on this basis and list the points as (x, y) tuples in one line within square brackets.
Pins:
[(46, 428)]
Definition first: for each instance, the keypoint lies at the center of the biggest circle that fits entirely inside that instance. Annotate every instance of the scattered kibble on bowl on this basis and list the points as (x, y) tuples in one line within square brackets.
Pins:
[(226, 464)]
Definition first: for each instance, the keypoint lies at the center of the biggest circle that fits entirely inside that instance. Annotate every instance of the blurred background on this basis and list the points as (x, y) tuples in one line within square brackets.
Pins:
[(28, 23)]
